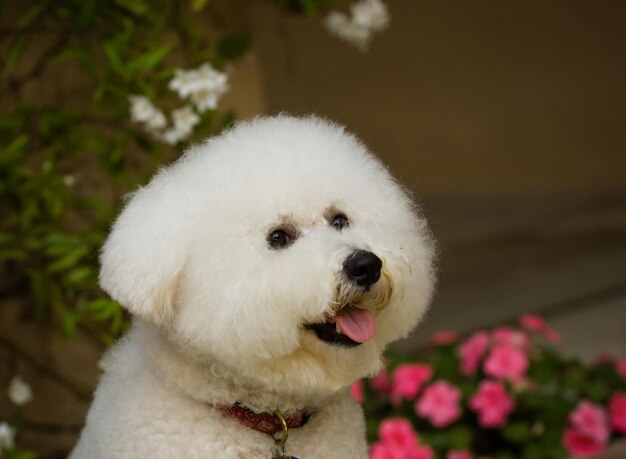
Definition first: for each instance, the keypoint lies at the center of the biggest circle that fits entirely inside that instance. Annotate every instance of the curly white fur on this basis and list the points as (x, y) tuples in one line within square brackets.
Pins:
[(219, 315)]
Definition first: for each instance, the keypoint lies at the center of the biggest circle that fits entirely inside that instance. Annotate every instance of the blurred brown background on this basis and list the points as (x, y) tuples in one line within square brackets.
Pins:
[(469, 97), (507, 119)]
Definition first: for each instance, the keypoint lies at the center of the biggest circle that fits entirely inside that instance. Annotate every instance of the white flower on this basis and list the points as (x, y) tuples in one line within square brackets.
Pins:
[(341, 25), (205, 100), (69, 180), (156, 122), (370, 14), (7, 436), (367, 17), (171, 136), (203, 85), (143, 111), (184, 83), (185, 119), (19, 393)]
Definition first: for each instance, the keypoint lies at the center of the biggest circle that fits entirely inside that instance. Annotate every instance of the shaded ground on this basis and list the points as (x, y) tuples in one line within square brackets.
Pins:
[(561, 256)]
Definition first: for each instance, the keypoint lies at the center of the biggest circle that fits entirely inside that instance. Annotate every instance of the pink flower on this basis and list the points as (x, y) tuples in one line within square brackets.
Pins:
[(356, 390), (381, 382), (398, 440), (579, 444), (408, 380), (458, 454), (397, 432), (533, 322), (472, 350), (506, 362), (381, 451), (439, 404), (536, 323), (617, 412), (492, 404), (589, 433), (511, 337), (422, 452), (552, 335), (620, 367), (443, 337), (591, 421)]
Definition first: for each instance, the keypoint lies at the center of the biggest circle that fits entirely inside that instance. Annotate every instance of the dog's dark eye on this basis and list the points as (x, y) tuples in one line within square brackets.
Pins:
[(340, 221), (278, 239)]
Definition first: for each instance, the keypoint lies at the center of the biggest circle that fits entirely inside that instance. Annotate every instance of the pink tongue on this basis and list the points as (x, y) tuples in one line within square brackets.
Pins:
[(357, 324)]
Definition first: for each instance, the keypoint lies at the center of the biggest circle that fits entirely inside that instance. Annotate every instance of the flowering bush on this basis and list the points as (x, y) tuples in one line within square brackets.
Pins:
[(146, 78), (96, 95), (503, 393)]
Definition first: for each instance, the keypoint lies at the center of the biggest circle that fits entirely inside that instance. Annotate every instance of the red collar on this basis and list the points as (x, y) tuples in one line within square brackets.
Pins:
[(263, 422)]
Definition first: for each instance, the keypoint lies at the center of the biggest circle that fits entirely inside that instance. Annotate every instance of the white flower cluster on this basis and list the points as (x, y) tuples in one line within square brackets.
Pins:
[(367, 17), (203, 87), (19, 392), (184, 120), (7, 437), (144, 112)]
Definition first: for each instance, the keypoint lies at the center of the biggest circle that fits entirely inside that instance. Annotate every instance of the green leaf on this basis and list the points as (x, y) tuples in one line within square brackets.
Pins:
[(6, 238), (533, 451), (233, 46), (149, 59), (78, 275), (33, 13), (14, 150), (69, 320), (94, 203), (77, 52), (13, 253), (137, 7), (197, 5), (460, 437), (69, 259), (38, 292), (15, 52), (102, 309), (114, 57), (88, 12), (597, 390), (437, 439), (516, 432), (59, 238), (16, 452)]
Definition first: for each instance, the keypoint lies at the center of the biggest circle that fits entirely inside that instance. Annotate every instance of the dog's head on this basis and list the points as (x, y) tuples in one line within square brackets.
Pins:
[(281, 248)]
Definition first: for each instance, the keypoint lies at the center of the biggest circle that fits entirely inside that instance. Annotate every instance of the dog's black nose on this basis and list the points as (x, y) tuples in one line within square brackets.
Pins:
[(363, 267)]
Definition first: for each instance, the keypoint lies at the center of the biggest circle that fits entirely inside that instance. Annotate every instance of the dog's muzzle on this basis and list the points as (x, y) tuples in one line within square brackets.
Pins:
[(362, 267), (359, 295)]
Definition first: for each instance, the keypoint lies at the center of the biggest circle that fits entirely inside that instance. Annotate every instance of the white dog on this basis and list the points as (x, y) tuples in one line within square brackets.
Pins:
[(266, 271)]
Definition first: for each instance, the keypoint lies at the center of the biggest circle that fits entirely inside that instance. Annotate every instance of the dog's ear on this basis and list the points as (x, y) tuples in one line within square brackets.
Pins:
[(145, 252)]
